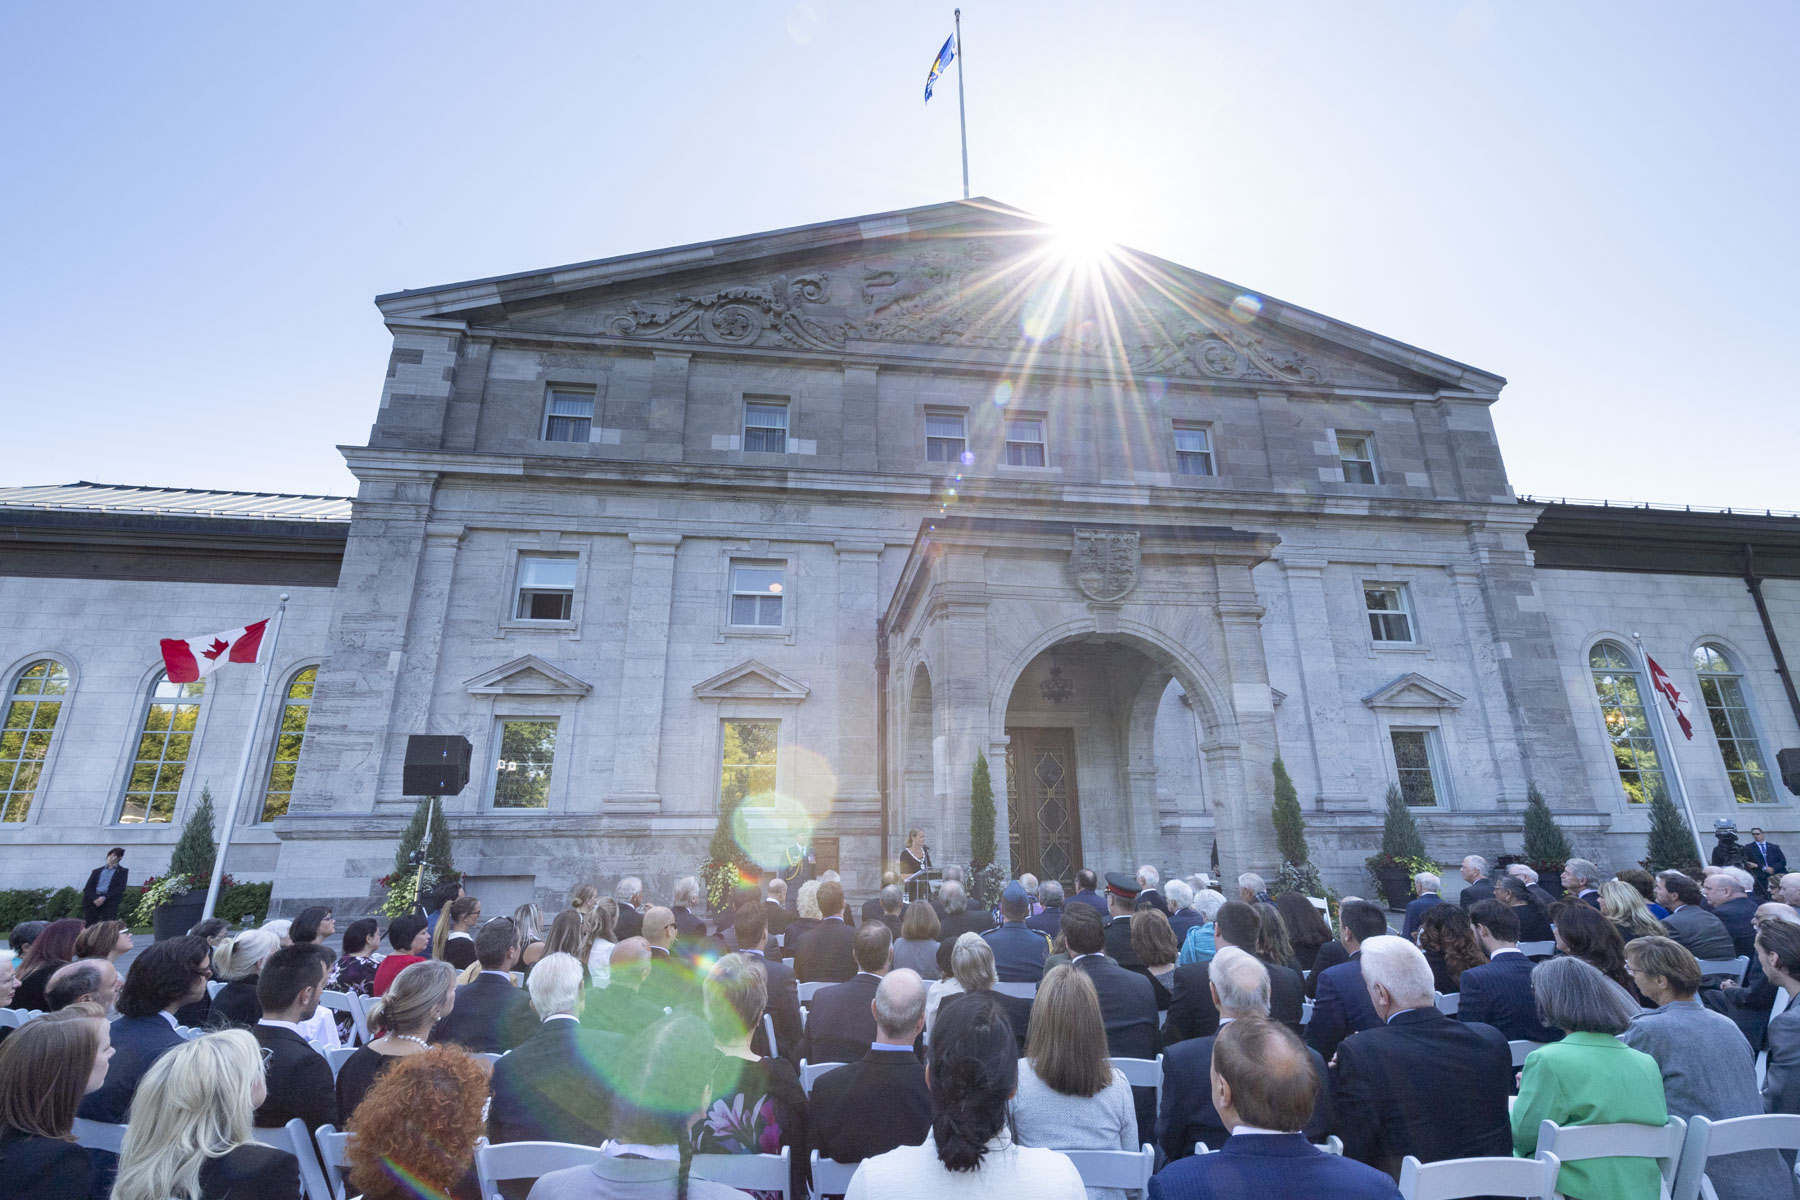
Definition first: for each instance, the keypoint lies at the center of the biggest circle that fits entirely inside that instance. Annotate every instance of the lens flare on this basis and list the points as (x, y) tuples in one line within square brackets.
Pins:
[(1003, 393), (765, 827), (1245, 309), (1044, 314)]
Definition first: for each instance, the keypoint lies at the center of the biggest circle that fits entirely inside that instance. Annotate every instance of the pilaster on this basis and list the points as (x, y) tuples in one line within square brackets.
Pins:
[(1333, 760), (637, 736)]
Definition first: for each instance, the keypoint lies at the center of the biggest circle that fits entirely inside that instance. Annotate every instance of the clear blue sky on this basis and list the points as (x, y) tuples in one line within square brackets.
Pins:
[(1596, 200)]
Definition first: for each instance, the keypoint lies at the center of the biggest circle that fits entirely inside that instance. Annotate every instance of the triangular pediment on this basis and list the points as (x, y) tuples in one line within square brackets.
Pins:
[(751, 680), (528, 676), (972, 280), (1413, 690)]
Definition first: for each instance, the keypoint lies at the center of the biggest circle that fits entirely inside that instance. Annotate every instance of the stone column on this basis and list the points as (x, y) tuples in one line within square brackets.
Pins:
[(1333, 762), (637, 736), (668, 408), (858, 797), (417, 680), (961, 686), (860, 435), (1241, 811), (1496, 722)]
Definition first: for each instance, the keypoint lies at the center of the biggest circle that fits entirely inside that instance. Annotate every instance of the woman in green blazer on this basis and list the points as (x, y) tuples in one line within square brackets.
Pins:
[(1588, 1078)]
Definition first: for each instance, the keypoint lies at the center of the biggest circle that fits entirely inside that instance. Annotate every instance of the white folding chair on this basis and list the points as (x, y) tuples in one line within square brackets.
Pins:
[(294, 1139), (1571, 1143), (345, 1002), (337, 1056), (1734, 967), (1024, 991), (746, 1172), (1306, 1007), (1537, 949), (491, 1058), (809, 990), (334, 1152), (1323, 907), (1522, 1048), (1708, 1139), (1331, 1145), (189, 1032), (526, 1160), (212, 988), (1129, 1169), (830, 1177), (809, 1072), (359, 1013), (1456, 1178), (98, 1135), (1448, 1002), (1143, 1072), (769, 1032)]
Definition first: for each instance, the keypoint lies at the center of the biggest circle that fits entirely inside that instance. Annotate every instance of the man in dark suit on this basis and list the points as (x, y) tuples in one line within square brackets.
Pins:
[(1529, 878), (783, 1003), (1127, 1000), (840, 1022), (1704, 935), (629, 892), (1264, 1085), (299, 1079), (621, 1006), (1086, 883), (1498, 992), (1148, 880), (1192, 1014), (165, 977), (1427, 886), (1581, 879), (1387, 1094), (1049, 922), (776, 907), (1019, 952), (871, 908), (827, 954), (1766, 862), (878, 1101), (890, 906), (1183, 916), (1734, 906), (1240, 989), (553, 1086), (1121, 901), (686, 900), (105, 888), (490, 1015), (1331, 954), (1476, 884), (1343, 1007), (674, 981), (961, 914)]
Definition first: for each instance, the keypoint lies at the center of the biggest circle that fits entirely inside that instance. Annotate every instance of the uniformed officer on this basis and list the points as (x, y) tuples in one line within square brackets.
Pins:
[(1019, 951), (1121, 902)]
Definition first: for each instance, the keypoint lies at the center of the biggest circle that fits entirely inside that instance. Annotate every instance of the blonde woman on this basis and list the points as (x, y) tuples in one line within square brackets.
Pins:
[(418, 998), (530, 920), (1624, 906), (583, 898), (239, 963), (190, 1137), (599, 934), (806, 917)]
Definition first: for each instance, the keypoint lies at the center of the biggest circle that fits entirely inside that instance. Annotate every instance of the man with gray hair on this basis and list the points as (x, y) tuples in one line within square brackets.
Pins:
[(880, 1101), (1252, 889), (1529, 878), (1427, 885), (1183, 916), (775, 908), (1476, 884), (1149, 879), (629, 892), (1240, 989), (1581, 879), (1386, 1097), (550, 1087), (1048, 921), (1728, 895), (688, 926), (94, 980)]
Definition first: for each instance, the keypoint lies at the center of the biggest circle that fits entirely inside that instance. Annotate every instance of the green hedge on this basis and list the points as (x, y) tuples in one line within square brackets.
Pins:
[(41, 904)]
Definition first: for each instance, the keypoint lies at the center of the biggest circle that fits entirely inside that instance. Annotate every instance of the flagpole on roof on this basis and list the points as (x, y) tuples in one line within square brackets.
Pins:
[(1674, 765), (962, 112), (237, 793)]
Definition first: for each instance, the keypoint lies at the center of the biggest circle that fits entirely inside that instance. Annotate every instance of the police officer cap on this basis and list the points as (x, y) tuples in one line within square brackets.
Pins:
[(1122, 885), (1015, 893)]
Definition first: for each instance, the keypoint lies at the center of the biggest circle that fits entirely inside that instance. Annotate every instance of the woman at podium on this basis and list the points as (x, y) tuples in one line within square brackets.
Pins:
[(915, 865)]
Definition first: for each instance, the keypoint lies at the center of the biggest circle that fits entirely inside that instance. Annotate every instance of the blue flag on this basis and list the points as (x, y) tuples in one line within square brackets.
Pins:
[(940, 64)]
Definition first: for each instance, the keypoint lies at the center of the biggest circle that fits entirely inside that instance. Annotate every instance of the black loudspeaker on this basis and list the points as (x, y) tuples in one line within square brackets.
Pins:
[(436, 765), (1789, 761)]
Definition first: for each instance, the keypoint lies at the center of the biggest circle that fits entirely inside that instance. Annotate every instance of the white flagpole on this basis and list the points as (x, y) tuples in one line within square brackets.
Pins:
[(962, 113), (237, 793), (1669, 741)]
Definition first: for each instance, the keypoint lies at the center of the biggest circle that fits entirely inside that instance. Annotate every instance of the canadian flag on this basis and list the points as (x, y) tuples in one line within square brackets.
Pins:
[(188, 659), (1659, 679)]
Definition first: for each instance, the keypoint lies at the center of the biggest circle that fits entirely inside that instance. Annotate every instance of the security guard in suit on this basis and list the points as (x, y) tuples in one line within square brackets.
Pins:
[(1019, 951)]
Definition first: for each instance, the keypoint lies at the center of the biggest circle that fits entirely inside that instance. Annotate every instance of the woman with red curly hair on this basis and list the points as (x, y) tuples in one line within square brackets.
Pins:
[(417, 1126)]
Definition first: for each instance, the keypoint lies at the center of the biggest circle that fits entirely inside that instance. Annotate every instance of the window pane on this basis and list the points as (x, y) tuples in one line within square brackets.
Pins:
[(571, 404), (1024, 454), (1627, 724), (1192, 439), (747, 761), (766, 580), (302, 686), (522, 772), (947, 450), (545, 606), (1412, 759), (1728, 712), (769, 416), (1024, 431), (943, 425), (765, 441), (543, 572)]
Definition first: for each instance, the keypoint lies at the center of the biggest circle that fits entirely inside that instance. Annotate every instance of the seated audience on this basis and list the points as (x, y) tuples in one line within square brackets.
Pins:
[(553, 1086), (567, 935), (1239, 985), (1592, 938), (1476, 884), (283, 929), (20, 939), (1621, 904), (1273, 946), (453, 940), (424, 1116), (1728, 894), (1127, 1001), (840, 1023), (418, 998), (1265, 1088), (1182, 914), (972, 973), (805, 919), (599, 934), (1703, 934), (689, 926), (1707, 1068), (1239, 926), (163, 978), (1198, 946), (104, 939), (321, 1028), (299, 1078), (50, 950), (1153, 941), (871, 909), (959, 915), (1534, 918), (1122, 894), (312, 926), (674, 982), (190, 1129), (1645, 886), (623, 1006), (1581, 879), (827, 953), (1498, 993), (1019, 952), (1251, 888), (490, 1015), (218, 934), (892, 902), (880, 1100), (1342, 1006), (1387, 1096), (1778, 950), (1589, 1077), (1070, 1096), (530, 920), (89, 980), (354, 971), (973, 1072), (917, 948), (1426, 885), (239, 964), (1448, 939), (758, 1105), (410, 940), (1048, 921), (751, 933), (45, 1070), (628, 894)]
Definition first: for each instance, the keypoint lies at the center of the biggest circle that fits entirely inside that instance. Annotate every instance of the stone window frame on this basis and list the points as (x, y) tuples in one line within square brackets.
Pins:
[(1407, 580), (1403, 590), (574, 379), (14, 671), (552, 543), (754, 552), (784, 712), (146, 694), (1736, 660), (1007, 442), (269, 734), (594, 417), (1436, 756), (501, 716), (1367, 438), (961, 413), (1179, 426), (783, 401)]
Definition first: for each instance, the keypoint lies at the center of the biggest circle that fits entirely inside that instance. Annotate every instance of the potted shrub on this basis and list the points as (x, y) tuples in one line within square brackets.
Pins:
[(176, 899), (1402, 854), (1547, 847), (1297, 874)]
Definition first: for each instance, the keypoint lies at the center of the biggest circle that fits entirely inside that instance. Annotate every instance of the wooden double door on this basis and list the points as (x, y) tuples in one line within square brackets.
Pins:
[(1043, 808)]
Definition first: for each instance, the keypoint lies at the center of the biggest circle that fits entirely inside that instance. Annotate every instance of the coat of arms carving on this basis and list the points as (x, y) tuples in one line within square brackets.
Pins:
[(1104, 562)]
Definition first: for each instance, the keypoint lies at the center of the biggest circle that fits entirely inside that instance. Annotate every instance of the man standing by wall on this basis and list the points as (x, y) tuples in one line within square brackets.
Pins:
[(1765, 860), (105, 888)]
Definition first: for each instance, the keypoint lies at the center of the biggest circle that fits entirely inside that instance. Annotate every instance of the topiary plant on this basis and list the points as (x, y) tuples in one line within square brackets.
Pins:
[(1547, 847), (195, 852), (981, 815), (1671, 841), (1290, 826)]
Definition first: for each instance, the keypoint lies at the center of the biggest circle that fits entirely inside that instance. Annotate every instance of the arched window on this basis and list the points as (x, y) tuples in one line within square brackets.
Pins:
[(294, 711), (1722, 687), (33, 705), (1620, 690), (162, 752)]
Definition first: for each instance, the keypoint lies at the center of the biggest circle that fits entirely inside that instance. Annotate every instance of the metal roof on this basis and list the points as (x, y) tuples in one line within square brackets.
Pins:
[(188, 502)]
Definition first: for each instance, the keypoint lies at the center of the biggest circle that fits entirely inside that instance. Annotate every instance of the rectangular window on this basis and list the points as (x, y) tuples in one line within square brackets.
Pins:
[(765, 424), (756, 593), (1415, 758), (1357, 455), (1193, 450), (1389, 618), (1025, 443), (522, 768), (747, 763), (945, 439), (569, 415), (546, 587)]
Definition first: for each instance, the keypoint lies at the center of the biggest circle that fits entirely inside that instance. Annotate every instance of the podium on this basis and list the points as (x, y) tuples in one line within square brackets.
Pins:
[(920, 885)]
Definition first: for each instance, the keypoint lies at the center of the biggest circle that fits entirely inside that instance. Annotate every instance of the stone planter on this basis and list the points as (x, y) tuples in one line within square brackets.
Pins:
[(178, 915), (1396, 886)]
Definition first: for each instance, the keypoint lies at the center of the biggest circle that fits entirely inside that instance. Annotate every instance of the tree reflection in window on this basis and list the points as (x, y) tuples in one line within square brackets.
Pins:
[(1620, 691), (295, 709), (522, 774), (31, 713), (1728, 708), (162, 752), (747, 763)]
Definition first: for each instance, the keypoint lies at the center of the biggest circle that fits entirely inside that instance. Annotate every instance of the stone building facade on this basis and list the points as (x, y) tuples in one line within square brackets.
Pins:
[(817, 518)]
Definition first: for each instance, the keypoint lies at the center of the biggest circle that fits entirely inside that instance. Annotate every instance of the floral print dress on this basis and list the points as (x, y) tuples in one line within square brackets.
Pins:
[(354, 973), (757, 1108)]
